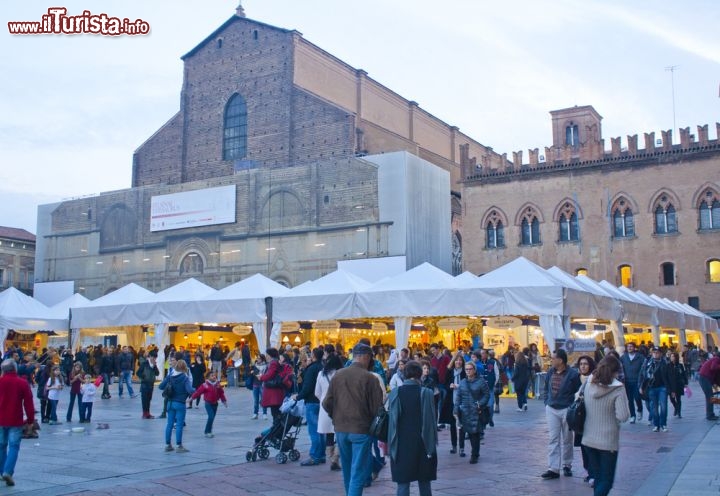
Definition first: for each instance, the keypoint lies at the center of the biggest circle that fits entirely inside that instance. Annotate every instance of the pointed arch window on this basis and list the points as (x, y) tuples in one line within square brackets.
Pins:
[(665, 216), (709, 210), (235, 128), (530, 228), (713, 270), (494, 232), (623, 220), (568, 223)]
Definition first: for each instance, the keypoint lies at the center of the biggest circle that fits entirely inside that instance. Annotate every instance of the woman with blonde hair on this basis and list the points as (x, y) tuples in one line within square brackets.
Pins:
[(606, 407)]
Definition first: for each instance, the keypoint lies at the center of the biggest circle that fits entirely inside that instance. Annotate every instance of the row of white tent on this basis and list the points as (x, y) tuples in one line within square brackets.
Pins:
[(519, 288)]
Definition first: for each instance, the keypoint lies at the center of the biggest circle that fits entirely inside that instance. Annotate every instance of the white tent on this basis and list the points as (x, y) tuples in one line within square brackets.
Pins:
[(19, 311), (129, 305), (62, 309), (244, 301), (330, 297), (180, 304)]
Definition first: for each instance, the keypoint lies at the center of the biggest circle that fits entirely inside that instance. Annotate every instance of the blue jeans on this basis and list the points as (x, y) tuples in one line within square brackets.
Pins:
[(53, 410), (125, 377), (257, 392), (73, 397), (602, 468), (86, 410), (106, 383), (317, 441), (633, 396), (175, 415), (9, 448), (355, 460), (658, 405), (211, 410)]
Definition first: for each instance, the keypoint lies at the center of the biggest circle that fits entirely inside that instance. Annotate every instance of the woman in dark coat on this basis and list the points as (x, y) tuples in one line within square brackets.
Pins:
[(453, 378), (197, 371), (416, 434), (272, 397), (521, 379), (473, 395), (678, 381)]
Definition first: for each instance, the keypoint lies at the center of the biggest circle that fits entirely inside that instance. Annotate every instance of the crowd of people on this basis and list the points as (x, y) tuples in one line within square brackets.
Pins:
[(424, 391)]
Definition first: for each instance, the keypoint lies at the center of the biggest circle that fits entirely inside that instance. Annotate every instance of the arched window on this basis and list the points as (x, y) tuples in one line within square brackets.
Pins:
[(530, 231), (581, 272), (572, 136), (568, 223), (667, 274), (283, 210), (713, 270), (709, 210), (235, 129), (665, 216), (118, 228), (192, 263), (494, 232), (625, 276), (623, 220)]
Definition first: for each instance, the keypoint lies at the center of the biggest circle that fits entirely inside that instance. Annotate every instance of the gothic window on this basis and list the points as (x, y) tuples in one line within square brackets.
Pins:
[(572, 137), (667, 274), (709, 210), (713, 270), (568, 223), (665, 216), (282, 210), (494, 232), (530, 228), (235, 129), (623, 221), (625, 276)]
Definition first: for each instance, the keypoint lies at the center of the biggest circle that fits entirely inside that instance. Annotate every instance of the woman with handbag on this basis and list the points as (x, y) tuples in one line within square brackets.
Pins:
[(416, 434), (606, 407), (273, 390), (473, 395), (586, 366)]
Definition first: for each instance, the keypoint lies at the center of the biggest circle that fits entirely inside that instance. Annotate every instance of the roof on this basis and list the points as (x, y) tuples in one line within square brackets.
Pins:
[(16, 233)]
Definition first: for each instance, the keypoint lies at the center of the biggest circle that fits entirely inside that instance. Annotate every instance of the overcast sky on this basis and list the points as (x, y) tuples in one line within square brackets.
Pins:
[(74, 108)]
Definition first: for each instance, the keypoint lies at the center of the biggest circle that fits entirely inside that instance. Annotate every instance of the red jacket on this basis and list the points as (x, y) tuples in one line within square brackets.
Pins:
[(272, 396), (213, 392), (15, 394), (710, 370)]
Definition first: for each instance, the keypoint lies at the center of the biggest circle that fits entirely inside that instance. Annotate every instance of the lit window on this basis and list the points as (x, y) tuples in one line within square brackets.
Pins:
[(581, 272), (713, 270), (625, 276), (623, 220), (667, 274), (235, 129)]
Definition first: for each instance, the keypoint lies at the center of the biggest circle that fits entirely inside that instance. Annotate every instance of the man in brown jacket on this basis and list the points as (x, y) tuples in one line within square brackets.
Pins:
[(352, 400)]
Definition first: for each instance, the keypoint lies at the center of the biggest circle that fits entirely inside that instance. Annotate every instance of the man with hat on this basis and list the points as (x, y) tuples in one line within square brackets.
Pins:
[(352, 400), (654, 380)]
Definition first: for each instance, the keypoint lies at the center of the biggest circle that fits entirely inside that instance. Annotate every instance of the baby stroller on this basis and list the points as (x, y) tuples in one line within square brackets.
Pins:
[(280, 436)]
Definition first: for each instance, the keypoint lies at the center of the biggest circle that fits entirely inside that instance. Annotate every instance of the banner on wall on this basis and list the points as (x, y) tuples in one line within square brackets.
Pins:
[(202, 207)]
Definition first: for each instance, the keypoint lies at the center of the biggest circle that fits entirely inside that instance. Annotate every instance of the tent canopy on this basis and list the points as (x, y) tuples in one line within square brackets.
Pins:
[(129, 305), (20, 311)]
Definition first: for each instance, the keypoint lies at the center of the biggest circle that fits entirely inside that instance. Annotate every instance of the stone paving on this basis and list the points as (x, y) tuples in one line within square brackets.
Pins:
[(128, 457)]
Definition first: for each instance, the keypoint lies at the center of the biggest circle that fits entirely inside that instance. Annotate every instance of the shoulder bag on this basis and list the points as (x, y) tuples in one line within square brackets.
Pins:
[(575, 414), (379, 425)]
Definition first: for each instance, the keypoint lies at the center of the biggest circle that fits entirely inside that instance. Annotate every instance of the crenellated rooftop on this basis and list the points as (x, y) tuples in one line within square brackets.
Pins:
[(578, 144)]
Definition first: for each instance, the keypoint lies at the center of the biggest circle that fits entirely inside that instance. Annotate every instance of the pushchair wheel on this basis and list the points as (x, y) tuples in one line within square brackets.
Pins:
[(248, 456), (294, 455), (264, 453), (281, 458)]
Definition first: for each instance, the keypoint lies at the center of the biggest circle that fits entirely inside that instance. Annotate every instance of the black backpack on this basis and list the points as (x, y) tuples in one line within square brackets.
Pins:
[(169, 390)]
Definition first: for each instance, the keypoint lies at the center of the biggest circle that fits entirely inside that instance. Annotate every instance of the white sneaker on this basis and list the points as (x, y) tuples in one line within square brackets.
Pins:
[(655, 429), (664, 428), (632, 420), (264, 416), (525, 407), (254, 416), (519, 410), (209, 434)]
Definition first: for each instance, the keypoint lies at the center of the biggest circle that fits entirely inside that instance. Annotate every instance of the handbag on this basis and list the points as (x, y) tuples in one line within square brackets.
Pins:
[(379, 425), (575, 414)]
